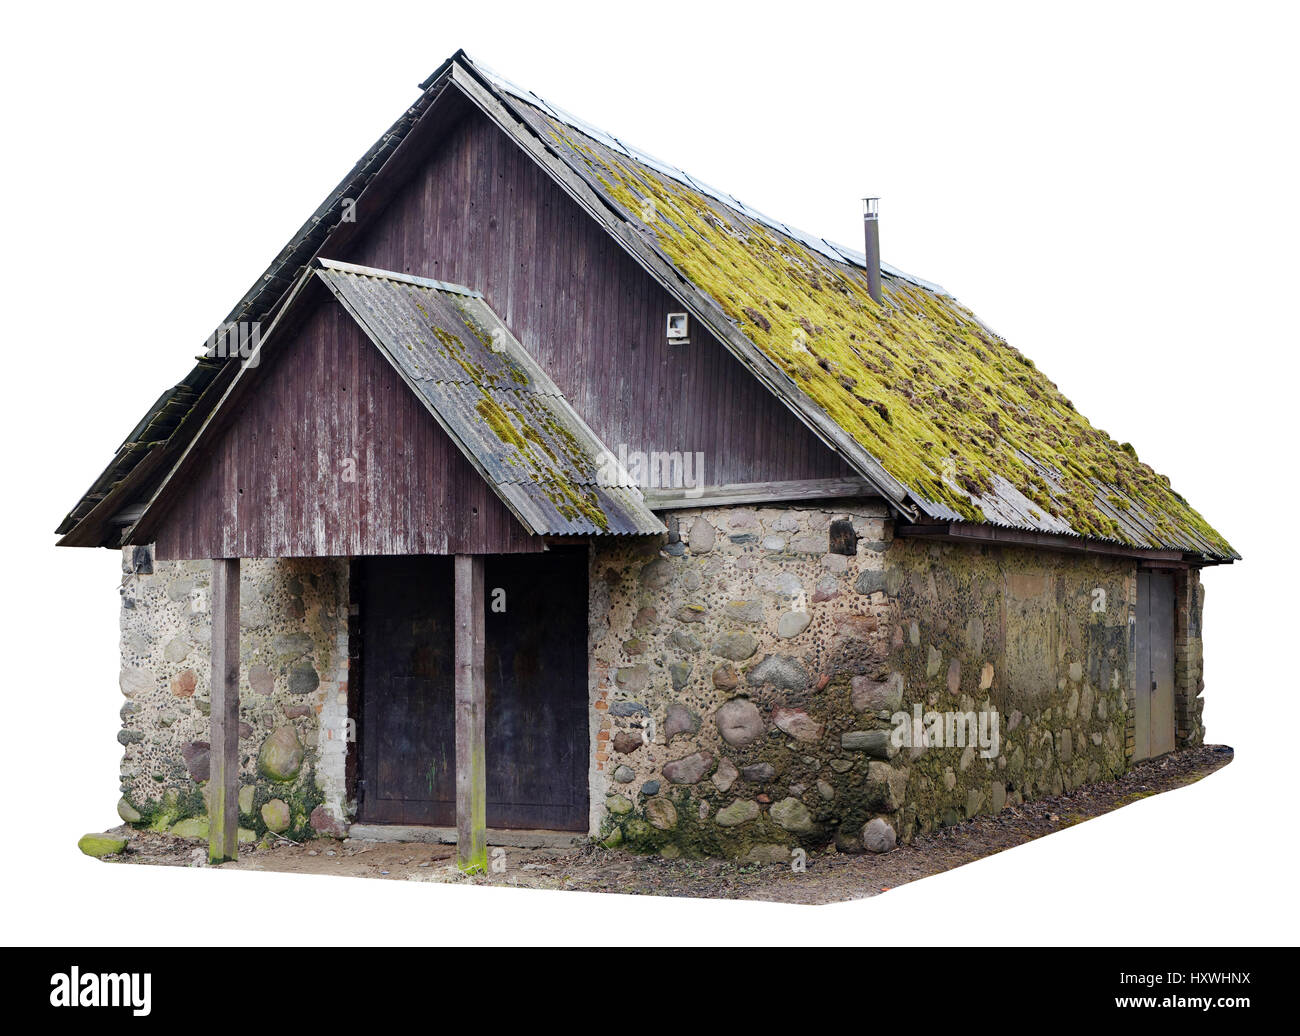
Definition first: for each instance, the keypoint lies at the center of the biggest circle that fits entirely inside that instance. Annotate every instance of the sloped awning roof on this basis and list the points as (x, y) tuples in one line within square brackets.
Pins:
[(500, 408)]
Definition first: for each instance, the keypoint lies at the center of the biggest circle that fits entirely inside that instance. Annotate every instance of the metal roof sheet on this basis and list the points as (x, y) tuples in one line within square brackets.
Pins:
[(838, 253), (1163, 520), (494, 400), (922, 357)]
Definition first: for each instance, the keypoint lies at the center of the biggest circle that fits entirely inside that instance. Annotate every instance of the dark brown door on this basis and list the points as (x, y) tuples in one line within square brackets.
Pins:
[(537, 690), (535, 682), (408, 758), (1154, 723)]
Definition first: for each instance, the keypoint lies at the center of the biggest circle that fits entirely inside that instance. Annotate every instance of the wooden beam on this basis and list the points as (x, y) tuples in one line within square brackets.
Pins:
[(223, 782), (762, 492), (471, 730), (990, 534)]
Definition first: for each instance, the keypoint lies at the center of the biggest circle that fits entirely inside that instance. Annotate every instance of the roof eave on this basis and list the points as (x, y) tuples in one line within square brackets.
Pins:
[(1069, 543), (274, 286)]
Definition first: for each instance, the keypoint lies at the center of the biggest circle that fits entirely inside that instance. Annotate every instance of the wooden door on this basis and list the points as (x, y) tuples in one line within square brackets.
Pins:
[(408, 759), (1155, 665), (535, 683), (536, 679)]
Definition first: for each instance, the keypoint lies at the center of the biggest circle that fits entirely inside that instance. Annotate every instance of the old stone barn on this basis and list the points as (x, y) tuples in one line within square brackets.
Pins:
[(539, 491)]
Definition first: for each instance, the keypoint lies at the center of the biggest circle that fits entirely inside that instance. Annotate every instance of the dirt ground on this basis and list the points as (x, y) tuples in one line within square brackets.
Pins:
[(829, 877)]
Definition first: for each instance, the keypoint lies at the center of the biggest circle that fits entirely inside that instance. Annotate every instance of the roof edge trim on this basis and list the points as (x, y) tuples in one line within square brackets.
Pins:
[(402, 278)]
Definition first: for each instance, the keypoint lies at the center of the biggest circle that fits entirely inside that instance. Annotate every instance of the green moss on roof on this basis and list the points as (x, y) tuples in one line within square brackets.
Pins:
[(455, 348), (500, 423), (919, 382), (531, 427), (520, 415)]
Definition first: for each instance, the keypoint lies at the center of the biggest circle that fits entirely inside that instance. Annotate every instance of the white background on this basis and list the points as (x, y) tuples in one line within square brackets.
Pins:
[(1111, 187)]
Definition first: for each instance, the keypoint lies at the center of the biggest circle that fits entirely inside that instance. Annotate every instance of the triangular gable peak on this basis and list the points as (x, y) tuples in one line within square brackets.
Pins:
[(386, 414)]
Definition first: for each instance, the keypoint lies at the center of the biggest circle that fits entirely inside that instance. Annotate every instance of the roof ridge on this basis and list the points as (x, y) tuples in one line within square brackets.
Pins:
[(837, 252)]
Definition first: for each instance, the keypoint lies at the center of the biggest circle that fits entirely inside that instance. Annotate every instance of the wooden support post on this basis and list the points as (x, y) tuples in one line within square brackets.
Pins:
[(223, 783), (471, 737)]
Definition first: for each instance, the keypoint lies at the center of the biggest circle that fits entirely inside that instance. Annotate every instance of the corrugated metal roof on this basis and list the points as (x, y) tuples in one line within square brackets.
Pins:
[(838, 253), (1017, 482), (970, 428), (498, 405)]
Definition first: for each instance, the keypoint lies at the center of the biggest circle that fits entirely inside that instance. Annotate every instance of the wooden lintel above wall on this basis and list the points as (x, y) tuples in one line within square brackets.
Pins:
[(961, 532), (763, 493)]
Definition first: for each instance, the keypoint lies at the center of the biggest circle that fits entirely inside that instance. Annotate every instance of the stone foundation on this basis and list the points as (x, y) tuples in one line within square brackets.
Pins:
[(293, 694)]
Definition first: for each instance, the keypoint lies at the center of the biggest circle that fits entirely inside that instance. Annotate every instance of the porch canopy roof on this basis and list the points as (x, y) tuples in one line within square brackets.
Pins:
[(499, 408)]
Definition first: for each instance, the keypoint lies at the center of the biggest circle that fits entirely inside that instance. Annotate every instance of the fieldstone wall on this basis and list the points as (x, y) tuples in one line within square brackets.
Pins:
[(750, 678), (1044, 641), (722, 669), (293, 695)]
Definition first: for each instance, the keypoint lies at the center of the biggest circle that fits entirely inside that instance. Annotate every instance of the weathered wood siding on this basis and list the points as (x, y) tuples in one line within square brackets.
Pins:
[(479, 212), (275, 481)]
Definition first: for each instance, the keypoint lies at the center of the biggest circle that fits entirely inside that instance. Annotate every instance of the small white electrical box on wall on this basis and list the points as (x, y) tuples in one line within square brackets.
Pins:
[(679, 329)]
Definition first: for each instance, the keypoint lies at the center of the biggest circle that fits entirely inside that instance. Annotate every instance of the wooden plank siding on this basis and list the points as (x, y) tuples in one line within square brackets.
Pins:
[(479, 212), (273, 482)]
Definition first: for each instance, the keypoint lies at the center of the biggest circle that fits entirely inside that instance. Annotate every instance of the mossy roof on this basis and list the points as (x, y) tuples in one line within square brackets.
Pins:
[(957, 417), (967, 423)]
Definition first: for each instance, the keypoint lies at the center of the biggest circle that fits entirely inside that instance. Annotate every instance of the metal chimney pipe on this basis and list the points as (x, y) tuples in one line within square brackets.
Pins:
[(871, 232)]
